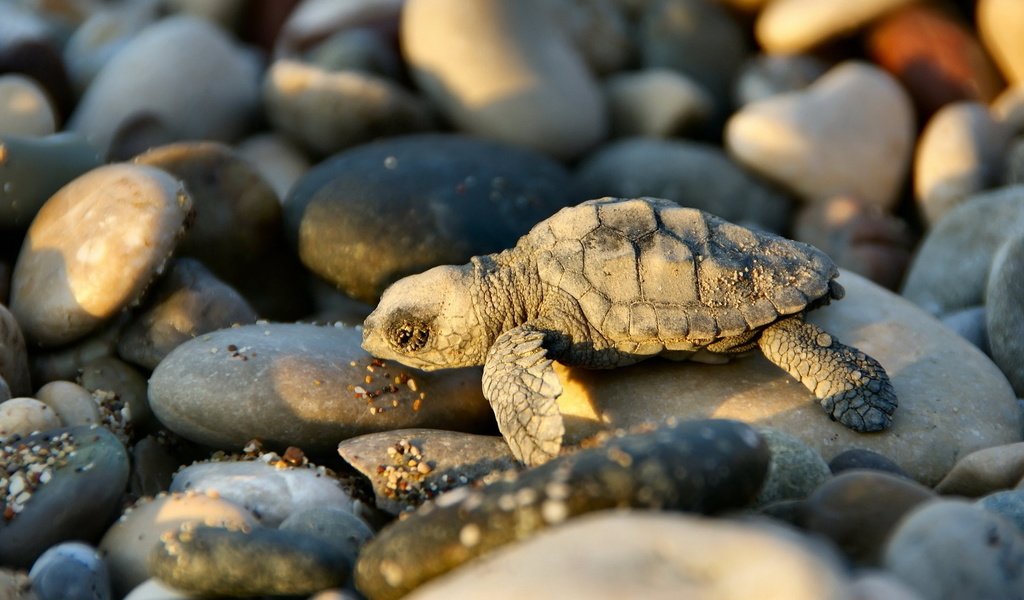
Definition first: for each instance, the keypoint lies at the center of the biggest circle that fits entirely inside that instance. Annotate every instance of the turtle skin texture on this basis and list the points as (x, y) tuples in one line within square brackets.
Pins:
[(610, 282)]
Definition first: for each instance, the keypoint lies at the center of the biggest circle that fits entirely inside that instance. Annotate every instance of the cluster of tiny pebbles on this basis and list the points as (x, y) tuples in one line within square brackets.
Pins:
[(386, 393), (406, 475), (292, 457), (115, 414), (26, 467)]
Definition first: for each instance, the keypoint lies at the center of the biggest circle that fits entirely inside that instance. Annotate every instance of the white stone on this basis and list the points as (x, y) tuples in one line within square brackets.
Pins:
[(22, 416), (649, 555), (501, 70), (25, 109), (791, 26), (953, 399), (960, 153), (850, 132)]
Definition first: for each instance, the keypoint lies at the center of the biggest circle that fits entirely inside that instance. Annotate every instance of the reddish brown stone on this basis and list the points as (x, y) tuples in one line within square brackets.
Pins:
[(935, 56)]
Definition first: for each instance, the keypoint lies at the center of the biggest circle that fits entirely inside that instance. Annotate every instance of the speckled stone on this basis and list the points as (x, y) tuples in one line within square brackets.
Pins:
[(302, 101), (985, 471), (128, 543), (959, 154), (692, 174), (523, 83), (33, 169), (24, 108), (947, 550), (953, 399), (215, 561), (93, 248), (303, 385), (823, 141), (15, 585), (617, 554), (700, 466), (859, 509), (392, 461), (13, 357), (270, 492), (370, 215), (1004, 310), (189, 301), (57, 510), (795, 469), (183, 71), (71, 571), (790, 26), (951, 265)]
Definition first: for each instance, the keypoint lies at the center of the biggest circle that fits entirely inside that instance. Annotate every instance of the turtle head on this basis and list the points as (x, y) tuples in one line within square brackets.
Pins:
[(428, 321)]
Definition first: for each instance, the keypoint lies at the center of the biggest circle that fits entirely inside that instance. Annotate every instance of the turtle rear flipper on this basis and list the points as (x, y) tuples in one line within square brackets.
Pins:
[(852, 387), (522, 387)]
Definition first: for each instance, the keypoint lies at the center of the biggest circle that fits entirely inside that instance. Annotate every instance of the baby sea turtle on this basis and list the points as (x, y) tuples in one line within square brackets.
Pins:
[(611, 282)]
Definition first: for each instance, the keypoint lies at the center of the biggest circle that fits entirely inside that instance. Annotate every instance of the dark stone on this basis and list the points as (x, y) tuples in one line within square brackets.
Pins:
[(332, 525), (860, 458), (213, 561), (80, 500), (701, 466), (373, 214)]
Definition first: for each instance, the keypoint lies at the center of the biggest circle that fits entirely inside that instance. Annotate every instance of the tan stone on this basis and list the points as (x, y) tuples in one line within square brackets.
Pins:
[(1001, 24), (953, 400), (790, 26)]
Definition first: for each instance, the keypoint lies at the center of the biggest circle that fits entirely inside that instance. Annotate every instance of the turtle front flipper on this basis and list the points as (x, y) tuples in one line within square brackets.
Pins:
[(852, 387), (522, 387)]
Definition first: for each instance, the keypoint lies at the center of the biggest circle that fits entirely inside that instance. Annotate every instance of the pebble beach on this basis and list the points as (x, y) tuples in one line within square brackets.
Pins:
[(201, 202)]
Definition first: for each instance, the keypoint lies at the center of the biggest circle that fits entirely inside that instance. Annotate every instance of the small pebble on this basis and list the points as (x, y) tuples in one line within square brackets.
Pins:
[(24, 416), (71, 571), (73, 404), (25, 109)]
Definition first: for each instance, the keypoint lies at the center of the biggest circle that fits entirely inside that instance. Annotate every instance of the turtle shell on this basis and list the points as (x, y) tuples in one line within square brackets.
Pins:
[(650, 274)]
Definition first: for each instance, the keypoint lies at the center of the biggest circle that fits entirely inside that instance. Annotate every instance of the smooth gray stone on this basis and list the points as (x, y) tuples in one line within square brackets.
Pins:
[(970, 324), (691, 174), (213, 561), (949, 550), (78, 503), (370, 215), (303, 385), (332, 525), (1007, 503), (391, 461), (71, 571), (1004, 311), (189, 301)]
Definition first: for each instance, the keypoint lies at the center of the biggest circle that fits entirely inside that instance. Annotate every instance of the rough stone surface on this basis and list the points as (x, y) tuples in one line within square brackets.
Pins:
[(181, 71), (305, 386), (450, 459), (794, 471), (689, 173), (302, 101), (985, 471), (612, 555), (859, 509), (1004, 311), (522, 83), (93, 248), (375, 213), (790, 26), (960, 153), (951, 266), (944, 414), (948, 550), (824, 141), (215, 561), (1000, 23), (701, 466), (128, 543), (56, 512), (71, 571), (189, 301)]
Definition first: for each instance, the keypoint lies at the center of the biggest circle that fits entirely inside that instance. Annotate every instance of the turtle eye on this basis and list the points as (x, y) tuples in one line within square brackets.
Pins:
[(410, 337)]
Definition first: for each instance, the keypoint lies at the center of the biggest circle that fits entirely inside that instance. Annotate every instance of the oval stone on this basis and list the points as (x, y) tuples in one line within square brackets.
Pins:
[(71, 571), (25, 109), (375, 213), (303, 385), (953, 399), (501, 69), (93, 248)]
